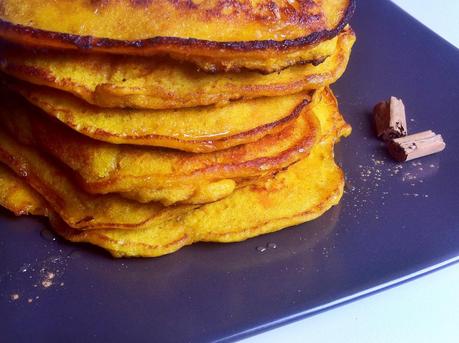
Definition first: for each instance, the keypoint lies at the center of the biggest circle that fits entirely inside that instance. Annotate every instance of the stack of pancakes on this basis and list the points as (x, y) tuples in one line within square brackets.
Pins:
[(145, 126)]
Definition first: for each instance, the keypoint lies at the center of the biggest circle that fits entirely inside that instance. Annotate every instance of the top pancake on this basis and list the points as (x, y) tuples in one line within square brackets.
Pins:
[(215, 34)]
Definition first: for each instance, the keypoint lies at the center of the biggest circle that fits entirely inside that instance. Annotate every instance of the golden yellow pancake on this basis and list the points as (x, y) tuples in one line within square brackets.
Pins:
[(85, 211), (143, 82), (156, 174), (298, 194), (256, 34), (31, 197), (301, 193), (76, 207), (17, 196), (197, 129)]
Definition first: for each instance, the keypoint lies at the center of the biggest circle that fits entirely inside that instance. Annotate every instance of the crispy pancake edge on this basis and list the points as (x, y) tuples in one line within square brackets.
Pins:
[(67, 113), (111, 94), (115, 181), (30, 35)]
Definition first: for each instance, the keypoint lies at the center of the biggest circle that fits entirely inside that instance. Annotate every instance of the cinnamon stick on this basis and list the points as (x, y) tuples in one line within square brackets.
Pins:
[(390, 119), (414, 146)]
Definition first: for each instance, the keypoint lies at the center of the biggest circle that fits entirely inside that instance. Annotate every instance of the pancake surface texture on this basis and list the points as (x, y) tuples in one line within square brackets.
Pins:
[(202, 129), (120, 81), (300, 193), (263, 34), (151, 174)]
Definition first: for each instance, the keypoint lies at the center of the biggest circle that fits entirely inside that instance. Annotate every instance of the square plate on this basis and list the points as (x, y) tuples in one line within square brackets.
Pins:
[(394, 220)]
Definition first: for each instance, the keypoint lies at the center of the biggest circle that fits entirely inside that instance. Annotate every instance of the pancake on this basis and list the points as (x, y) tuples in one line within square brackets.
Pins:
[(202, 129), (298, 194), (76, 207), (155, 174), (263, 34), (17, 196), (136, 82), (301, 193), (86, 211), (312, 236)]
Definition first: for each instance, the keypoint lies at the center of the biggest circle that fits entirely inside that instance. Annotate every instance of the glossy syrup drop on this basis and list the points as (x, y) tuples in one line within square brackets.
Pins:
[(48, 235)]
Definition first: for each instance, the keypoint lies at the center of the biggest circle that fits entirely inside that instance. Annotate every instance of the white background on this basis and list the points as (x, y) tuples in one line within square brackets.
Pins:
[(423, 310)]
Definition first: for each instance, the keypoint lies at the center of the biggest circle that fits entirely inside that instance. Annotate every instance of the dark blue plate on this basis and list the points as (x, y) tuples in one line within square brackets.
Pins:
[(393, 221)]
